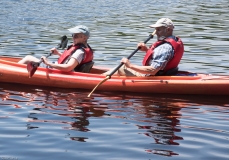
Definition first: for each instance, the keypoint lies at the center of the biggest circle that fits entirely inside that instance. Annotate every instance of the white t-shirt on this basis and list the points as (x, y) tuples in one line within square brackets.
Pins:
[(78, 55)]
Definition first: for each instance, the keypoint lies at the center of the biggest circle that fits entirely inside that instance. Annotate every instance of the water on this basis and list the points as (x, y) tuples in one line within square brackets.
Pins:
[(52, 123)]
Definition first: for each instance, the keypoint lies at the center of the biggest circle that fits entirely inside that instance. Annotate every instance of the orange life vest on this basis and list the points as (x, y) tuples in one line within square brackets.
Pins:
[(178, 53), (88, 54)]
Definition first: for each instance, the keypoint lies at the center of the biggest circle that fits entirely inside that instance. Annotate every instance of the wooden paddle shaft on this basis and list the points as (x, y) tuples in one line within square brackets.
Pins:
[(120, 65)]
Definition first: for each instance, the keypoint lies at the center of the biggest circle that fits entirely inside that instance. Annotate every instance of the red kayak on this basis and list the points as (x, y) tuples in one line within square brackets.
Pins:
[(183, 83)]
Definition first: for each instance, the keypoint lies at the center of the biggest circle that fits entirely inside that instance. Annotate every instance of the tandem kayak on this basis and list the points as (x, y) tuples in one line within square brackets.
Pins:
[(182, 83)]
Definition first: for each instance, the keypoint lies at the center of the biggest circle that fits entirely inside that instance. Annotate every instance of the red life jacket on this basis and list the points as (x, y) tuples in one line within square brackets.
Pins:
[(178, 53), (88, 54)]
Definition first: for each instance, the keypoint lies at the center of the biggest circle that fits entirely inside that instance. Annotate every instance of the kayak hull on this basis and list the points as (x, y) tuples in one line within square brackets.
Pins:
[(12, 72)]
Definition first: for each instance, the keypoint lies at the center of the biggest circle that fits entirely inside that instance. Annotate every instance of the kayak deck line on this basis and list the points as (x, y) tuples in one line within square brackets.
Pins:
[(217, 77), (148, 81)]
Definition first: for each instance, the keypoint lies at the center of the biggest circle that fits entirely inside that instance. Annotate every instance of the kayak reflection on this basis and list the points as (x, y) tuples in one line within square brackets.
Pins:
[(70, 112)]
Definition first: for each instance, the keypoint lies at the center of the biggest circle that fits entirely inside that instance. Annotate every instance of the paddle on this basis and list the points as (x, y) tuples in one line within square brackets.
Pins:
[(120, 65), (32, 66)]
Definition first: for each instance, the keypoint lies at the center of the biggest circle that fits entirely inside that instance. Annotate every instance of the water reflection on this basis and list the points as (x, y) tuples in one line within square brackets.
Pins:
[(64, 105), (156, 117)]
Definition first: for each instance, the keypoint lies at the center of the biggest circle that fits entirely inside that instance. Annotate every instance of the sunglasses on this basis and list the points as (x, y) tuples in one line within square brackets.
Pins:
[(76, 35)]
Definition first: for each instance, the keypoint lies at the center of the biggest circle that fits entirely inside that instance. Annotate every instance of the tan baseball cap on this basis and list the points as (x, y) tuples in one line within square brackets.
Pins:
[(163, 22)]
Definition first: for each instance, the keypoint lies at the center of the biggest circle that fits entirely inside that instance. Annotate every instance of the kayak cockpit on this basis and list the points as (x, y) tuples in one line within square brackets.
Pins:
[(94, 69)]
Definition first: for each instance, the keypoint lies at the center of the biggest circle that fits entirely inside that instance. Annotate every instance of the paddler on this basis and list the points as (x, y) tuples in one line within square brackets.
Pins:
[(161, 58), (73, 57)]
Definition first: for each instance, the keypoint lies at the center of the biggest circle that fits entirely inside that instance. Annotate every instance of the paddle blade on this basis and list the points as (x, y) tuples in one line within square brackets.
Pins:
[(64, 42), (31, 68)]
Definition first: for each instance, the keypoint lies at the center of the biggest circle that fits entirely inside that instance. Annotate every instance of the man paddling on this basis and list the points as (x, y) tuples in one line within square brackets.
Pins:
[(162, 58), (73, 57)]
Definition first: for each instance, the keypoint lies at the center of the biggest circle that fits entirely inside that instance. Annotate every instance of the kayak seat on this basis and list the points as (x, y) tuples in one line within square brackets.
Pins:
[(85, 68), (170, 72)]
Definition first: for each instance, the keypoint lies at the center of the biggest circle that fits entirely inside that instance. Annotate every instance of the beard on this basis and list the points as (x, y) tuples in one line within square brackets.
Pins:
[(161, 38)]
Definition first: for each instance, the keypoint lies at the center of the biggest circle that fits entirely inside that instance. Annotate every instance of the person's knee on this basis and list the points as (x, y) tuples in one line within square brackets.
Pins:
[(28, 59)]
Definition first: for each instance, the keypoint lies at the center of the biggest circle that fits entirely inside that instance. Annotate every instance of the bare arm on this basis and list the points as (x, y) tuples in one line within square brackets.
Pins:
[(144, 69), (140, 69), (72, 63)]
